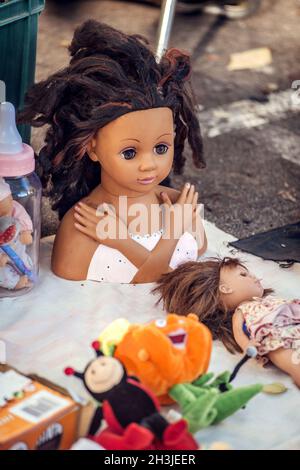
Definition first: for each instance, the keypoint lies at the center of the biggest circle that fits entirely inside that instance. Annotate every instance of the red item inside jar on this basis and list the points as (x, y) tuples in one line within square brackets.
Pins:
[(8, 235)]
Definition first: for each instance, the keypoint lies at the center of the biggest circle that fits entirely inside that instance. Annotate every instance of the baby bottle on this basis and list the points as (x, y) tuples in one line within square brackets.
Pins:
[(20, 209)]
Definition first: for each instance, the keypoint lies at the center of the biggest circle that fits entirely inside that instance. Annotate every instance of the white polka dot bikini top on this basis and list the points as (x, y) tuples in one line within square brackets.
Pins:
[(109, 265)]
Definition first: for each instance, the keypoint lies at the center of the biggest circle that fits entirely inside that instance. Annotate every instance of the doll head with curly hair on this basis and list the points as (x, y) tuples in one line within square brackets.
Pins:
[(110, 75)]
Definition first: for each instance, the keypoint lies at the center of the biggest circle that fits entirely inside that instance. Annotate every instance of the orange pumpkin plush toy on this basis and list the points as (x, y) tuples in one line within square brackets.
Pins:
[(166, 352)]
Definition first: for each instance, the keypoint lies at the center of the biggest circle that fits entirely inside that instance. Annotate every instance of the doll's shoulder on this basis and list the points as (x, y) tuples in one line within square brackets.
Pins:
[(237, 315), (72, 250), (95, 198)]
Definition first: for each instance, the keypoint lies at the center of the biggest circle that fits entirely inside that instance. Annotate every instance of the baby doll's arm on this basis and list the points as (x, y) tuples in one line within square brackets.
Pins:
[(237, 326), (4, 259), (25, 237), (20, 213)]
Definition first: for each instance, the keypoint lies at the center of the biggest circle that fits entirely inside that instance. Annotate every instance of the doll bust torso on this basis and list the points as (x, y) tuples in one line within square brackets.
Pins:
[(110, 265), (78, 257)]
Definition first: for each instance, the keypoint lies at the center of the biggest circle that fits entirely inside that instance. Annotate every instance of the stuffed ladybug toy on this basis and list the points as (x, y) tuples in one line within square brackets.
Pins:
[(131, 411)]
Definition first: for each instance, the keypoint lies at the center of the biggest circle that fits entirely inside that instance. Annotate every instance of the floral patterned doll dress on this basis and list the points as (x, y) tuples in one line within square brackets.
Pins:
[(274, 323)]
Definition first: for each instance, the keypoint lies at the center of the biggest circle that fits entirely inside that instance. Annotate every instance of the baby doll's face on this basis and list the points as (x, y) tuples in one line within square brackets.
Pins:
[(6, 206), (238, 285), (135, 150)]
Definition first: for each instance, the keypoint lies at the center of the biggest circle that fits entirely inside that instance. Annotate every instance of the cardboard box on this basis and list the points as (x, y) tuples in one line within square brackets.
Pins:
[(44, 418)]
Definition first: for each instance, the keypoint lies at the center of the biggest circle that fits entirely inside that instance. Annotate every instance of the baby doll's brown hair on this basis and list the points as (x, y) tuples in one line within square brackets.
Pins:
[(194, 287), (110, 74)]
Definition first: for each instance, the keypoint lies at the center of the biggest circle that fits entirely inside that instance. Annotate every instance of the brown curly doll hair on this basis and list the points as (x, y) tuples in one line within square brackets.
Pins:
[(194, 287)]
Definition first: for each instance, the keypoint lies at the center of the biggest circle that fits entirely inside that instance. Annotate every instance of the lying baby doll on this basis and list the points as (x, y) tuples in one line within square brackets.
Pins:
[(237, 309)]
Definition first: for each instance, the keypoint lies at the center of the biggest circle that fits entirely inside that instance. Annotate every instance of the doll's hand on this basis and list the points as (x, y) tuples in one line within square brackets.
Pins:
[(179, 217), (25, 237), (262, 360), (3, 260), (95, 223)]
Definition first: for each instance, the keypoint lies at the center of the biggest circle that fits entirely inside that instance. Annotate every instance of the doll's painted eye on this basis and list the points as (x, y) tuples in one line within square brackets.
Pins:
[(161, 149), (160, 322), (128, 154)]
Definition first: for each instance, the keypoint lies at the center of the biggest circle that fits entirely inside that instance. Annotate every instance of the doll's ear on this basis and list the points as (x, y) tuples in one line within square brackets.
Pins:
[(90, 149), (224, 289), (92, 156)]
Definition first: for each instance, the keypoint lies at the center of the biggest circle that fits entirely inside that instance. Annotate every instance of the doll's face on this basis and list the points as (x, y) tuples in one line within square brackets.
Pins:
[(103, 374), (238, 285), (6, 206), (135, 150)]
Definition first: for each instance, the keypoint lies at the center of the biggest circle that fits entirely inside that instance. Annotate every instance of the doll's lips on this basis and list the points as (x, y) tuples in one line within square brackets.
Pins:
[(178, 338), (147, 180)]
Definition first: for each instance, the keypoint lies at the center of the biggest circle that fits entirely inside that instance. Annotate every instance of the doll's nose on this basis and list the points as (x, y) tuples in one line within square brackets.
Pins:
[(148, 163)]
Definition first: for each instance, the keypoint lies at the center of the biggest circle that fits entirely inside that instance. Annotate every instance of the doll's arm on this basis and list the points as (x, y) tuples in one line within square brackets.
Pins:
[(4, 259), (202, 243), (74, 248), (151, 265), (157, 262), (159, 258), (25, 237), (20, 213), (86, 221), (237, 326), (199, 230)]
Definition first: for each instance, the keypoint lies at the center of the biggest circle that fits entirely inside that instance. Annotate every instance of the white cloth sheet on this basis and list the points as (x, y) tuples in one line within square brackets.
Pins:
[(52, 327)]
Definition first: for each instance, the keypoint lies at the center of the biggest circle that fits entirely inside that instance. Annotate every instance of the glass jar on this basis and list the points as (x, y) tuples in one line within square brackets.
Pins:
[(20, 210), (22, 224)]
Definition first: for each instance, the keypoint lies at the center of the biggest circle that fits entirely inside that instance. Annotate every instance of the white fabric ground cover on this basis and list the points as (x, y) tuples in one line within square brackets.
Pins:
[(52, 327)]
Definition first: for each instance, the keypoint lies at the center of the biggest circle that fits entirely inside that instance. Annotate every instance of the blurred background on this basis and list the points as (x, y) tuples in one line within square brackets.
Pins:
[(243, 73)]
